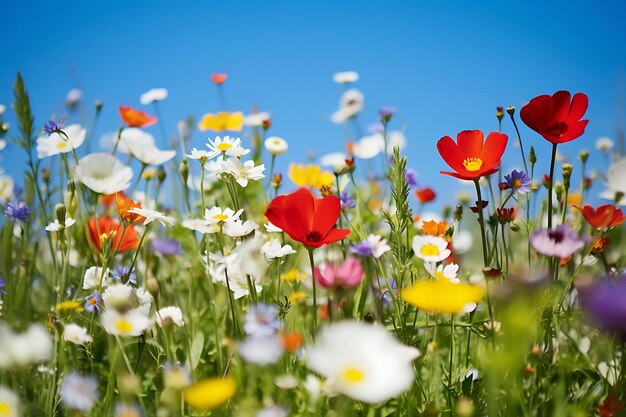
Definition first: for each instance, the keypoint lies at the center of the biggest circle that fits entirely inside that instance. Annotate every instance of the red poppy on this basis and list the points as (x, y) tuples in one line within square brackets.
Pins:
[(110, 228), (307, 219), (604, 217), (469, 156), (557, 118), (425, 195), (219, 78), (135, 118)]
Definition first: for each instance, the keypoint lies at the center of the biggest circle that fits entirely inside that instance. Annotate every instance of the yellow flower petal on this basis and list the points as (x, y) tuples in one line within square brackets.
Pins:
[(310, 175), (221, 121), (210, 393), (441, 296)]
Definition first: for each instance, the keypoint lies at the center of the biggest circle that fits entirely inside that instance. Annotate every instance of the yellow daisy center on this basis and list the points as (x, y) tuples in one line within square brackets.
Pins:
[(516, 183), (4, 409), (429, 250), (60, 145), (220, 217), (224, 146), (353, 375), (123, 326), (473, 164)]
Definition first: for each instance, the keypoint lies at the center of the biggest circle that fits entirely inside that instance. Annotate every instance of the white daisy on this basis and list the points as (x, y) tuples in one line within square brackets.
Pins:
[(239, 229), (131, 323), (152, 215), (118, 296), (345, 77), (170, 315), (57, 143), (261, 350), (226, 146), (78, 392), (76, 334), (256, 119), (276, 145), (215, 215), (198, 154), (9, 403), (430, 248), (55, 226), (273, 249), (369, 146), (152, 95), (200, 225), (350, 104), (103, 173), (270, 228), (244, 172), (448, 272), (94, 277)]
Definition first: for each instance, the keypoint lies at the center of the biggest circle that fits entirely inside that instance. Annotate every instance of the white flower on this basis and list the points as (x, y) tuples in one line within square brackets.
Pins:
[(395, 139), (200, 225), (273, 249), (6, 188), (167, 315), (227, 146), (350, 104), (362, 361), (76, 334), (142, 146), (151, 155), (9, 403), (55, 226), (3, 144), (131, 137), (604, 144), (215, 215), (336, 160), (2, 109), (462, 241), (155, 94), (430, 248), (239, 229), (244, 172), (103, 173), (369, 146), (117, 296), (57, 143), (276, 145), (256, 119), (616, 182), (448, 272), (345, 77), (378, 244), (30, 346), (262, 350), (145, 300), (79, 392), (243, 261), (286, 381), (271, 228), (152, 215), (73, 97), (198, 154), (94, 276), (130, 323)]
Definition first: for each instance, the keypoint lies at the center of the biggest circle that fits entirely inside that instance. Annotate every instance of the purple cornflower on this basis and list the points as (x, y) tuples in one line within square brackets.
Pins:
[(604, 303), (386, 113), (92, 302), (53, 127), (124, 274), (346, 201), (362, 248), (411, 177), (167, 247), (2, 285), (518, 181), (262, 320), (17, 211), (562, 241), (382, 291)]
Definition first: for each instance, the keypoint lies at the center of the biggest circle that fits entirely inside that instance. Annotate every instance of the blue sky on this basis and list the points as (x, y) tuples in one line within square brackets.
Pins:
[(443, 65)]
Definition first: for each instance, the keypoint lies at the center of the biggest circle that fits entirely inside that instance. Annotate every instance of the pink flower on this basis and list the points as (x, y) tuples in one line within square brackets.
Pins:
[(348, 274)]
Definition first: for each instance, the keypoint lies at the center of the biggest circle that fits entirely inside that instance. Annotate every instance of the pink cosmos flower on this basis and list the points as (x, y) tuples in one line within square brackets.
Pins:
[(347, 274)]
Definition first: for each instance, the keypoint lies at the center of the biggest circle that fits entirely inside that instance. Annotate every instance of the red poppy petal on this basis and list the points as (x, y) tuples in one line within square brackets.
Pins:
[(536, 113), (579, 105), (493, 149), (450, 153), (461, 176), (574, 131), (335, 235), (298, 213), (470, 143), (274, 212), (326, 214), (560, 105)]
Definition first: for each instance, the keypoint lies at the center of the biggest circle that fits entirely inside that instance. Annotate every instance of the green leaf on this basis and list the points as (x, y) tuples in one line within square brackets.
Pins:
[(197, 345)]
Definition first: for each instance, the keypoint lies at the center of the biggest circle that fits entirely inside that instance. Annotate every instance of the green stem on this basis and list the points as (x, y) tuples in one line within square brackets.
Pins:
[(550, 185), (519, 138), (310, 250)]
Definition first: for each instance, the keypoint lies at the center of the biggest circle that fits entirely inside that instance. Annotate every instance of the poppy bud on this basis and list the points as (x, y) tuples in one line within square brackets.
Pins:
[(368, 318), (536, 351), (503, 186), (499, 112), (583, 155), (559, 190), (350, 164), (482, 205), (183, 170), (618, 196), (71, 200), (61, 212), (267, 123), (566, 170), (532, 156)]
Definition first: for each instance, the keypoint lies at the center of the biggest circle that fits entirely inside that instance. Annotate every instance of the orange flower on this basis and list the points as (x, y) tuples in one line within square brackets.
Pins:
[(291, 341), (123, 206), (219, 78), (434, 228), (135, 118), (600, 244), (110, 229), (604, 217), (108, 200), (221, 121)]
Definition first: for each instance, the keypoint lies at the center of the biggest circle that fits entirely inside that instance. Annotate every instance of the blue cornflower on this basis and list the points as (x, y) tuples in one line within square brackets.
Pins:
[(92, 302), (346, 201), (2, 285), (17, 211), (262, 320), (167, 247), (124, 274), (411, 177), (53, 127), (518, 181), (382, 292)]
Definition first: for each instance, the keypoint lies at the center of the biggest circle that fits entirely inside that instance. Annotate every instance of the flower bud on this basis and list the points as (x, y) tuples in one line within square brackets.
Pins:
[(499, 113), (61, 212), (566, 170), (161, 175), (276, 180), (458, 213), (152, 285), (98, 105), (183, 170), (267, 123), (510, 110), (45, 175), (71, 200)]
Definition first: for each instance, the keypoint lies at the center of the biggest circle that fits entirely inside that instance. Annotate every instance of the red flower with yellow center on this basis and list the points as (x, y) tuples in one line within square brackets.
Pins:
[(135, 118), (307, 219), (604, 217), (110, 229), (471, 157), (556, 117)]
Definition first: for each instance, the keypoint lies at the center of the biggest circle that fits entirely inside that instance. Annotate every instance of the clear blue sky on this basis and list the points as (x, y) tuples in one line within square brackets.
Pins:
[(443, 65)]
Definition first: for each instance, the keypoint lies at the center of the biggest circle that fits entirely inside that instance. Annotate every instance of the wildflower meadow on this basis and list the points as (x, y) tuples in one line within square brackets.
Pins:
[(202, 271)]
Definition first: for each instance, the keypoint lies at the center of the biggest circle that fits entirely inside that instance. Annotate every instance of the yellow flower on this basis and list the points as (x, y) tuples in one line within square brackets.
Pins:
[(293, 275), (442, 296), (574, 199), (221, 121), (311, 175), (296, 297), (210, 393), (70, 306)]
